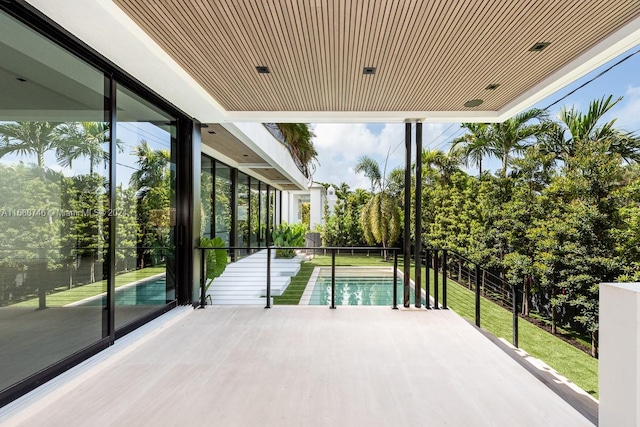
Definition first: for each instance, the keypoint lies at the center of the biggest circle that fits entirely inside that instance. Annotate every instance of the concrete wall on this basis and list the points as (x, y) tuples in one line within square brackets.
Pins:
[(619, 364)]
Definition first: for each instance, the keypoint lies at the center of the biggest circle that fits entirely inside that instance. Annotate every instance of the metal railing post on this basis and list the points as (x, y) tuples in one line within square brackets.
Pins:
[(203, 278), (333, 278), (268, 277), (477, 285), (514, 309), (436, 280), (427, 280), (395, 279), (417, 283), (445, 269)]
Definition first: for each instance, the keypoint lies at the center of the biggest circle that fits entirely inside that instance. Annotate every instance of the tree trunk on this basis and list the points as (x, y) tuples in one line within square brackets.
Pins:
[(594, 343), (92, 275), (70, 277)]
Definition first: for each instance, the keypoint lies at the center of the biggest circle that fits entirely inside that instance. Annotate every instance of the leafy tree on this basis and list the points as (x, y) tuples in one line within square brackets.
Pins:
[(576, 127), (473, 146), (28, 139), (380, 216), (512, 135), (82, 140), (371, 169), (300, 139)]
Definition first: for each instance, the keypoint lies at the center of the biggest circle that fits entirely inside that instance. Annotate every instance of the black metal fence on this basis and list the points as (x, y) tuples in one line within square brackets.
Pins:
[(485, 284), (441, 265), (393, 252)]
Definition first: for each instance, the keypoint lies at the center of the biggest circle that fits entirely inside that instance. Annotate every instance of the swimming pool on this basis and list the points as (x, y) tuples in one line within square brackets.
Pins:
[(354, 286), (150, 292)]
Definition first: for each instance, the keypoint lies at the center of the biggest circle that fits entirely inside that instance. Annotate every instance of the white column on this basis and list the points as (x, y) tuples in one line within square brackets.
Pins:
[(619, 364)]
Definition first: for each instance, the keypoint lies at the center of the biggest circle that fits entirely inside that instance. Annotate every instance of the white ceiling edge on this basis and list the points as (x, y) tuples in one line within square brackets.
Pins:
[(607, 49), (259, 140), (104, 27)]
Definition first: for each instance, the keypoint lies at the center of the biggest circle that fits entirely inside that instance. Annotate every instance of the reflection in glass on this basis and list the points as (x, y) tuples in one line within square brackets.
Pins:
[(206, 196), (223, 202), (263, 214), (242, 213), (254, 212), (54, 186), (145, 217)]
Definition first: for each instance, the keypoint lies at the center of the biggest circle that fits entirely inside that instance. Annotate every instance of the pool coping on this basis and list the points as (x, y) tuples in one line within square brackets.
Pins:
[(128, 285), (308, 290)]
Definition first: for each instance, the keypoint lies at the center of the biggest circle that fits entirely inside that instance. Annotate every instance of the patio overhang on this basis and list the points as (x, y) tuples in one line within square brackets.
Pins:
[(336, 61)]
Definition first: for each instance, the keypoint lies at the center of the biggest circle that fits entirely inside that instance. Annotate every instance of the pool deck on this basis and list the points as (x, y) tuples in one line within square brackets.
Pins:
[(298, 365)]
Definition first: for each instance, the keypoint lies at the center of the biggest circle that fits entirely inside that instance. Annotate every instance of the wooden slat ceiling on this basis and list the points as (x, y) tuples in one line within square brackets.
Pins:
[(225, 143), (429, 55)]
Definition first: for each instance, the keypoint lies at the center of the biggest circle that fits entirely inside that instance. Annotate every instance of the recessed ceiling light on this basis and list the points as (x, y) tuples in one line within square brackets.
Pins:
[(473, 103), (262, 69), (539, 46), (245, 155), (212, 132), (20, 79), (492, 86), (368, 71)]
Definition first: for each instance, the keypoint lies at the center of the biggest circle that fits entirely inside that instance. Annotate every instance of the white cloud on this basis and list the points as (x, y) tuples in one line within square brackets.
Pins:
[(340, 146), (628, 111)]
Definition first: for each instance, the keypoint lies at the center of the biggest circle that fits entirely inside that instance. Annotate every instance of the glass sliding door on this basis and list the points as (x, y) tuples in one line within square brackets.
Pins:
[(145, 214), (254, 210), (242, 213), (263, 214), (54, 187), (223, 197), (206, 196)]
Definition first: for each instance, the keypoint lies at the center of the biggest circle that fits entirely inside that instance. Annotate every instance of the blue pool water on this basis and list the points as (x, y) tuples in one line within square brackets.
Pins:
[(151, 292), (358, 291)]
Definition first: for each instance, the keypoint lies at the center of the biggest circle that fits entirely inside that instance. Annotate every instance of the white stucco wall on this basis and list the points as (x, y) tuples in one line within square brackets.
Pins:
[(619, 363), (318, 196)]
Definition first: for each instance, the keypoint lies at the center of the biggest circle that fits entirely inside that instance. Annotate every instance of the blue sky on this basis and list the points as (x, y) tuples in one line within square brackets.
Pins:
[(341, 145)]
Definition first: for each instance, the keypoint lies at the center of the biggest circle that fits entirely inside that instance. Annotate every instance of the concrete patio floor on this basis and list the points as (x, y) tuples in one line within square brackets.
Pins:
[(298, 366)]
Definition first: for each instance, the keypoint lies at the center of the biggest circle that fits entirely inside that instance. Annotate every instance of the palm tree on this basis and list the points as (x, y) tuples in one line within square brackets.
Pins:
[(84, 139), (371, 170), (380, 220), (152, 168), (438, 162), (583, 128), (513, 134), (473, 146), (28, 138), (380, 216), (300, 140)]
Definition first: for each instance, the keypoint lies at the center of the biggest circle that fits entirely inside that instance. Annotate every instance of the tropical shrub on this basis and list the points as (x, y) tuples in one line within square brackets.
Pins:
[(289, 235), (216, 258)]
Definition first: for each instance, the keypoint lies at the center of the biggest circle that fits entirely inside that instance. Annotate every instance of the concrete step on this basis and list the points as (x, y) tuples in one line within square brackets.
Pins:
[(241, 301)]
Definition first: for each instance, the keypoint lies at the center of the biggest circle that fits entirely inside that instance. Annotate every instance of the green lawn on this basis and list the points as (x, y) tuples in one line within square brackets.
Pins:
[(64, 297), (571, 362)]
